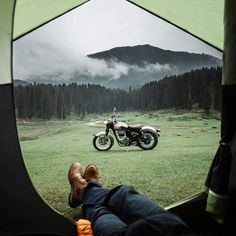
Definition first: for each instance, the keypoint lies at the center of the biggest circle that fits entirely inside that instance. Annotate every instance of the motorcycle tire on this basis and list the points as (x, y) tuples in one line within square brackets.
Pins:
[(103, 142), (148, 141)]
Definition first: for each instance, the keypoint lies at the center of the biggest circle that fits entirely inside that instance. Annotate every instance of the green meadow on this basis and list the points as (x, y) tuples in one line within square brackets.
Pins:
[(174, 170)]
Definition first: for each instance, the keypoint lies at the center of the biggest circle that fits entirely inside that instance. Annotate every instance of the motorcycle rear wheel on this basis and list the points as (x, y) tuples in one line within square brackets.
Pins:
[(103, 142), (148, 140)]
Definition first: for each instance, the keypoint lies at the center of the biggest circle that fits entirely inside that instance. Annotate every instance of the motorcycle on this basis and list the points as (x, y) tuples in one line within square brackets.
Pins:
[(146, 137)]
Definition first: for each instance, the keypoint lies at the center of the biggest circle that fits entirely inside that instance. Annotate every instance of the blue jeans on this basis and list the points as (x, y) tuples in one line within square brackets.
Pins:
[(122, 211)]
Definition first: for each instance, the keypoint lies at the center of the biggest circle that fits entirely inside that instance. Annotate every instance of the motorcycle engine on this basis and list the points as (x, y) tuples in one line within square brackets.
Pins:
[(123, 139)]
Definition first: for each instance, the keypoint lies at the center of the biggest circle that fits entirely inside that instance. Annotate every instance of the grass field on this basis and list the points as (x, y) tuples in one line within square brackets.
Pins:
[(174, 170)]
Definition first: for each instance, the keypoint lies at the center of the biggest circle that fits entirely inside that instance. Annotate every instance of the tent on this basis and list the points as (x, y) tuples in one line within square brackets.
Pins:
[(22, 209)]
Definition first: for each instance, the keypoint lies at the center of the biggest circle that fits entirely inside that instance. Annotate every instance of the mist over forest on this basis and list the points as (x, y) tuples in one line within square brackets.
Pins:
[(120, 67)]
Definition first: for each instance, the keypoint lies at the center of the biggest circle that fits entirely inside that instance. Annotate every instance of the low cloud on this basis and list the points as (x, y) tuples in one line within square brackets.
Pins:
[(44, 61)]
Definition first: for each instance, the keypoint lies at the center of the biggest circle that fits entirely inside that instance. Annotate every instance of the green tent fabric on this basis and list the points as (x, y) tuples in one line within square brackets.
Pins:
[(30, 14), (203, 18), (6, 15)]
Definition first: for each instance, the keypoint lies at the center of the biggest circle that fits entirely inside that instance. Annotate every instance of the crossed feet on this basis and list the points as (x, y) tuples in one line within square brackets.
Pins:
[(79, 180)]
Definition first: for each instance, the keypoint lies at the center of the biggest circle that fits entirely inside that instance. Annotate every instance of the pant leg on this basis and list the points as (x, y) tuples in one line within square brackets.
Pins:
[(104, 222), (125, 210), (94, 194), (130, 207)]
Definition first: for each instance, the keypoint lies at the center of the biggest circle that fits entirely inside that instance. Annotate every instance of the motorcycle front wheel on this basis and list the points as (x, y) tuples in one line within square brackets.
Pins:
[(103, 142), (148, 140)]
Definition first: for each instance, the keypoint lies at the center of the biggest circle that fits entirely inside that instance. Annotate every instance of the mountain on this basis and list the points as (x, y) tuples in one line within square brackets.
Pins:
[(146, 54), (18, 82), (121, 67), (146, 63)]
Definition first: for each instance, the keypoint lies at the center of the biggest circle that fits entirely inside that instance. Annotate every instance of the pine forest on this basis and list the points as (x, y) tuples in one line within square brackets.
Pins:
[(199, 88)]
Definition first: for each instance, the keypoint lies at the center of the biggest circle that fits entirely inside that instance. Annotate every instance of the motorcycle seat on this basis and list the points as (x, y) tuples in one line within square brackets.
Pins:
[(135, 127)]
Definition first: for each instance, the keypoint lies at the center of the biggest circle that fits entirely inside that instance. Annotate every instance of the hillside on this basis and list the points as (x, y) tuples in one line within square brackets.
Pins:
[(141, 55), (18, 82), (147, 63), (122, 67)]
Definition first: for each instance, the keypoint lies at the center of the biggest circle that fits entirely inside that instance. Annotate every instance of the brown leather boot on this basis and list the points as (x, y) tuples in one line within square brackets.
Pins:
[(78, 184), (91, 173)]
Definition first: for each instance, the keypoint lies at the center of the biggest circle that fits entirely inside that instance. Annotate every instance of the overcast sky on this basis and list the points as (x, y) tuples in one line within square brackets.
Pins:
[(96, 26)]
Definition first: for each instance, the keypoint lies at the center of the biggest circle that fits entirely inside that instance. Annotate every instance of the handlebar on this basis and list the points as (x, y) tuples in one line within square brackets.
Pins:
[(113, 117)]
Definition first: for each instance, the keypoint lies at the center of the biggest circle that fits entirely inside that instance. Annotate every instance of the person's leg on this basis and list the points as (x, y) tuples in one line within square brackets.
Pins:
[(104, 222), (120, 211), (130, 206), (94, 194)]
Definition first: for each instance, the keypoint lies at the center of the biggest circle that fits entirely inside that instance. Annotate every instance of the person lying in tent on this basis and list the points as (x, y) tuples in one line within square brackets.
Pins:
[(119, 211)]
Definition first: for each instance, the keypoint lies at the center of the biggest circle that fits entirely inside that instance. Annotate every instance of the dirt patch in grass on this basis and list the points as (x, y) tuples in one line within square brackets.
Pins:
[(33, 134), (96, 123)]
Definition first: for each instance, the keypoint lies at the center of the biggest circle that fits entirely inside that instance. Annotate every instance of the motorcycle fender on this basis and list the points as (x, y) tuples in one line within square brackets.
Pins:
[(100, 133), (149, 128)]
